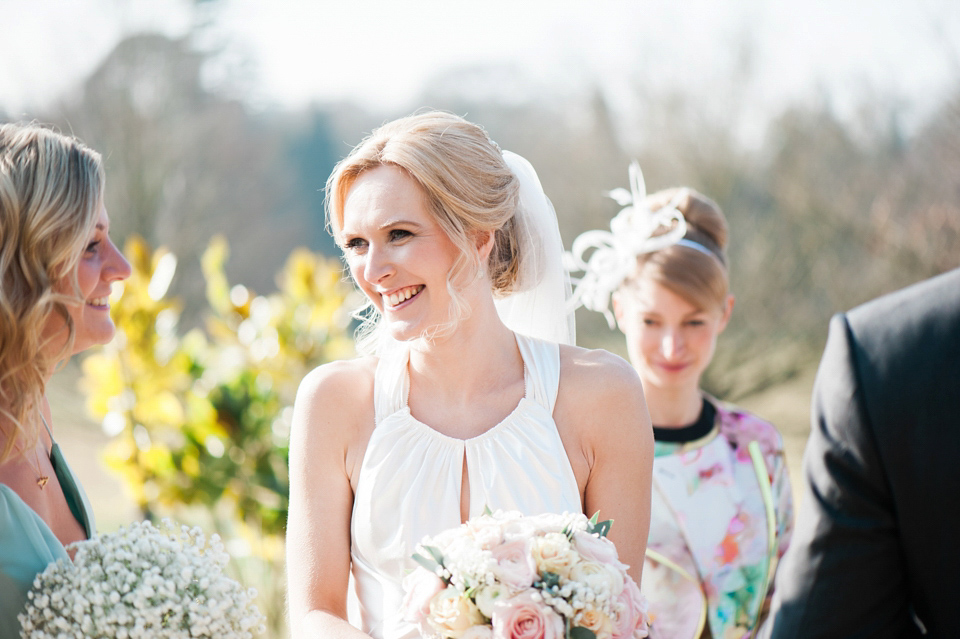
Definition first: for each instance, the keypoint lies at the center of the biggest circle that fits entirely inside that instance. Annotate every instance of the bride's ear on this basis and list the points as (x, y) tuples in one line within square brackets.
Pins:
[(485, 240)]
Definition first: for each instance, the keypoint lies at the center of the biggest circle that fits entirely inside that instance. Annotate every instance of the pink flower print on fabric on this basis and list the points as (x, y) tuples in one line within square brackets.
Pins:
[(706, 474), (741, 428), (729, 549)]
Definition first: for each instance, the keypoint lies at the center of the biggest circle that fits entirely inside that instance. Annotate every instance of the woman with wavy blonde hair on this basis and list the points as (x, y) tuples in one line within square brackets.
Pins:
[(470, 394), (57, 264)]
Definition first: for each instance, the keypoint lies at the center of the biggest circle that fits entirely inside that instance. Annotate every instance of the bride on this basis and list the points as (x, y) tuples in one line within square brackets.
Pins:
[(465, 399)]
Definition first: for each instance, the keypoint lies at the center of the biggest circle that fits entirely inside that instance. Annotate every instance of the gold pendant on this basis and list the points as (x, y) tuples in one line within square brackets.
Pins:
[(42, 481)]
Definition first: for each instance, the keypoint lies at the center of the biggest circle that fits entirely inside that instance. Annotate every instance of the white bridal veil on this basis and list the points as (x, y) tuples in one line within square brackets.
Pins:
[(538, 307)]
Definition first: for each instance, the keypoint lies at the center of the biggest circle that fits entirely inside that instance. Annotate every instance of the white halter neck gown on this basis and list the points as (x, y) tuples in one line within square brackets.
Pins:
[(409, 484)]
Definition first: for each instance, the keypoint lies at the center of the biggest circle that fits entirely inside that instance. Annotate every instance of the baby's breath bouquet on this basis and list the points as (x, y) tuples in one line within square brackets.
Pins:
[(504, 575), (141, 581)]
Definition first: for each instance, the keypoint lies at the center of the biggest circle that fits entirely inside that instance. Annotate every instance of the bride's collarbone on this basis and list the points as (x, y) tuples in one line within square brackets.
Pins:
[(469, 417)]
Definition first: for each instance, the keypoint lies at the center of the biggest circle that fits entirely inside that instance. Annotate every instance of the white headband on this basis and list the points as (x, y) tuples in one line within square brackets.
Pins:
[(632, 232)]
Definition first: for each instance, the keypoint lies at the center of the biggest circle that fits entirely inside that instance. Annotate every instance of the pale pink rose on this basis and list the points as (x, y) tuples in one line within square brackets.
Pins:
[(478, 632), (515, 566), (486, 530), (451, 613), (525, 616), (419, 588), (596, 548), (631, 622)]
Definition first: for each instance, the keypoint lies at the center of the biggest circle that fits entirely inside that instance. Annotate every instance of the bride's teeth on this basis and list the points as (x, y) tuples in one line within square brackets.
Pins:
[(402, 295)]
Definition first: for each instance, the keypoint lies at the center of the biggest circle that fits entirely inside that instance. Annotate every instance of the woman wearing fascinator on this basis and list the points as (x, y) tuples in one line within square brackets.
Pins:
[(469, 393), (57, 265), (721, 509)]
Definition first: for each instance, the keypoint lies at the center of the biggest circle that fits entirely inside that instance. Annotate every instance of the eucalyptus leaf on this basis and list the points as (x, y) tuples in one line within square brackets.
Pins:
[(427, 563), (602, 528), (435, 553)]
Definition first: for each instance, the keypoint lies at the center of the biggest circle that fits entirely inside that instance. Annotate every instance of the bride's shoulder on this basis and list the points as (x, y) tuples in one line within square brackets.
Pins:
[(342, 390), (596, 366), (596, 377), (346, 381)]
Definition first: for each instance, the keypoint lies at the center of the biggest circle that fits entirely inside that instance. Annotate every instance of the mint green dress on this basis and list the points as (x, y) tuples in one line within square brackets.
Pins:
[(27, 544)]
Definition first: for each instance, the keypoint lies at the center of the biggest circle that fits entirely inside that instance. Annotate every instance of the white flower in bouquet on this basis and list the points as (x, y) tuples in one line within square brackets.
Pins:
[(504, 575), (145, 582)]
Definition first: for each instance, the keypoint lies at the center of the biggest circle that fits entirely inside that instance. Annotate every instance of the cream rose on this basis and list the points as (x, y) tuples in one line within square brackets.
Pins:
[(478, 632), (452, 614), (553, 553), (595, 620), (598, 577), (487, 596)]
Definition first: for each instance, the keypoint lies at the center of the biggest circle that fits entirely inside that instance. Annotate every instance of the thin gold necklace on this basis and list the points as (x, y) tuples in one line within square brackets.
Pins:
[(41, 478)]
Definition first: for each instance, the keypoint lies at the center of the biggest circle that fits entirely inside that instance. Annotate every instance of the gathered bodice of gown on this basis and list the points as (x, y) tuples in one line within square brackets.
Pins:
[(410, 478)]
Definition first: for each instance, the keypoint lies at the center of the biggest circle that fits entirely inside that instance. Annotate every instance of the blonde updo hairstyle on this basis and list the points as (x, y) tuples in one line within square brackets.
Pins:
[(700, 278), (466, 185), (51, 189)]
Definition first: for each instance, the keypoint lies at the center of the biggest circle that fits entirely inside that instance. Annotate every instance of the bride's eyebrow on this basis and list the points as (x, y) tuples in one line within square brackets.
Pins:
[(399, 222)]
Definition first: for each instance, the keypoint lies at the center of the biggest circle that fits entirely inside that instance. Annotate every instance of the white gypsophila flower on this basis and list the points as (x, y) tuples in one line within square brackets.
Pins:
[(142, 581)]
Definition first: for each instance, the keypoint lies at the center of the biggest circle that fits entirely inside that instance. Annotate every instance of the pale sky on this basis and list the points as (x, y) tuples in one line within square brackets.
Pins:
[(381, 52)]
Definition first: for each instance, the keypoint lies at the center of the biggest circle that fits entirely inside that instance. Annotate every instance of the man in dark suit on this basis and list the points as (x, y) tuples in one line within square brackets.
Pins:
[(876, 549)]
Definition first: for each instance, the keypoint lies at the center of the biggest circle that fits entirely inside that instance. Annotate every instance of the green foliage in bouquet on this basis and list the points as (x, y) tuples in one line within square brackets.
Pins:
[(203, 418)]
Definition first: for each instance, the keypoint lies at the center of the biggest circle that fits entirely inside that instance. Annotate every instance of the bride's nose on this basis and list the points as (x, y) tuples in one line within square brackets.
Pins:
[(377, 265)]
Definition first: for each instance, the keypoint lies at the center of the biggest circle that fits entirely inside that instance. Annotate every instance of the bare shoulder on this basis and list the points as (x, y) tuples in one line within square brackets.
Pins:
[(597, 373), (343, 380), (335, 403), (600, 395)]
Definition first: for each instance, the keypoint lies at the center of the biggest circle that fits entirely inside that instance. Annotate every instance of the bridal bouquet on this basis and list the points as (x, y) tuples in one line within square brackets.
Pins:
[(507, 576), (143, 581)]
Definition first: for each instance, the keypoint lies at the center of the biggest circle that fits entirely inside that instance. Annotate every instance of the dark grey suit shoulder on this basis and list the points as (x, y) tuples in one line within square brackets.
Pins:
[(876, 537)]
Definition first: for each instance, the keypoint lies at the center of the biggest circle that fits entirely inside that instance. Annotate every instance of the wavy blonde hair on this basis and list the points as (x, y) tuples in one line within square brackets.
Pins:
[(467, 186), (51, 189)]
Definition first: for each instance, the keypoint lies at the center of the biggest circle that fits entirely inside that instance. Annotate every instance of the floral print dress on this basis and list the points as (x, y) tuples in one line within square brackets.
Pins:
[(721, 517)]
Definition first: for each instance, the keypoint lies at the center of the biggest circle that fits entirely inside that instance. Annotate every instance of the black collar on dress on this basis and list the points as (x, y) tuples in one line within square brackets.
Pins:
[(690, 432)]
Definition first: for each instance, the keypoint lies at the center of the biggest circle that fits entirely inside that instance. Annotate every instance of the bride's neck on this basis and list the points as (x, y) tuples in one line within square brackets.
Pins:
[(480, 349)]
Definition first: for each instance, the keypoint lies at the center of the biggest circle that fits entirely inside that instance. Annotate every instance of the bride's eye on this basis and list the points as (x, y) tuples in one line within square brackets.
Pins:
[(354, 244), (400, 234)]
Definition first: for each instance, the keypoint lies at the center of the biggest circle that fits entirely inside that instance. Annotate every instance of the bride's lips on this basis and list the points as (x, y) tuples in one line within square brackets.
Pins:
[(396, 299), (673, 368)]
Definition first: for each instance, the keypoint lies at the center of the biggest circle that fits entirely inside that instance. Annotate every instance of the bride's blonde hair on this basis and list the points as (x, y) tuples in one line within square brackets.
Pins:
[(51, 189), (468, 188)]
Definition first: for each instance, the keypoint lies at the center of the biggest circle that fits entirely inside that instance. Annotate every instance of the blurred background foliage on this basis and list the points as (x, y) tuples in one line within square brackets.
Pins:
[(202, 419), (825, 212)]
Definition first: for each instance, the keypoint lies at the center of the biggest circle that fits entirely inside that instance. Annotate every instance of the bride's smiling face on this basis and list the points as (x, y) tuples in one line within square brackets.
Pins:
[(397, 252)]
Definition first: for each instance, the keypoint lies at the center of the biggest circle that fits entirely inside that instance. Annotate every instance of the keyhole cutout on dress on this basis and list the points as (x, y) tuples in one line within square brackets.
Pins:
[(464, 492)]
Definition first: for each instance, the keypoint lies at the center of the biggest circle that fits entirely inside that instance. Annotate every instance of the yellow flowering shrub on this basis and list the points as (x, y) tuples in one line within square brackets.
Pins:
[(202, 419)]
